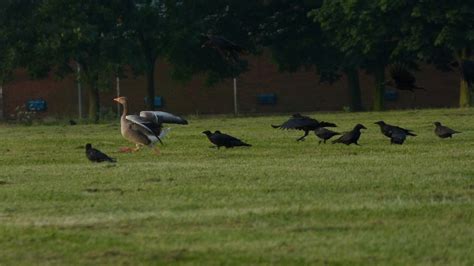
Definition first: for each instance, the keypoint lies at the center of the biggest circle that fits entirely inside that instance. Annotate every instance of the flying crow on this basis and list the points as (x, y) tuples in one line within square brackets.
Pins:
[(402, 79), (226, 48), (350, 137), (305, 123), (220, 139), (444, 131)]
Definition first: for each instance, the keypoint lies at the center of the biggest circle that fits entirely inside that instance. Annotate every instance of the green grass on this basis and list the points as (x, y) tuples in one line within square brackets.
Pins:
[(278, 202)]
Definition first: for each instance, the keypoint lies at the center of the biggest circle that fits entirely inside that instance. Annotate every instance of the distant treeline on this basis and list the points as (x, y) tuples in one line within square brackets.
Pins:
[(334, 37)]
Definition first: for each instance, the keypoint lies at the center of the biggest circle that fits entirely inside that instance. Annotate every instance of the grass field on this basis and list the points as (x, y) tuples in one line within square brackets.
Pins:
[(278, 202)]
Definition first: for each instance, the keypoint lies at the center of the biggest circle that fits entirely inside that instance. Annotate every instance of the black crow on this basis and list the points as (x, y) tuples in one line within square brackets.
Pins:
[(444, 131), (300, 122), (350, 137), (396, 134), (226, 48), (325, 134), (95, 155), (220, 139), (402, 79), (72, 122)]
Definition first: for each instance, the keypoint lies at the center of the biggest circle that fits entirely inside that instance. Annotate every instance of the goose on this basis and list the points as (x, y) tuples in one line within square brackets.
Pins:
[(147, 128)]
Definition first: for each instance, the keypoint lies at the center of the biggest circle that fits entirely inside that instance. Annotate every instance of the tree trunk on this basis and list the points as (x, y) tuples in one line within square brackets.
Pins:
[(1, 101), (379, 74), (464, 90), (464, 94), (353, 85), (150, 77), (94, 100)]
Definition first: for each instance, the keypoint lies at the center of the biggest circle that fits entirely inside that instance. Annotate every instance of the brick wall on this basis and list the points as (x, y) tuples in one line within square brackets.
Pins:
[(299, 91)]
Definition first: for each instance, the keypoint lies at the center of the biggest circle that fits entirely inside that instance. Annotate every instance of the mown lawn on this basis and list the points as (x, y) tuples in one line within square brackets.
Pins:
[(278, 202)]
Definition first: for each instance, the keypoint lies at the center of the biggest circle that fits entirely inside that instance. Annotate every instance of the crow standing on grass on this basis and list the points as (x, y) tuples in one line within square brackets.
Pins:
[(220, 139), (444, 131), (351, 137), (97, 156), (325, 134), (396, 134), (305, 123)]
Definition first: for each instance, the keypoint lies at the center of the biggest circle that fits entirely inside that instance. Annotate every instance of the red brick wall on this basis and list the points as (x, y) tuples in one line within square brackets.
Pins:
[(299, 91)]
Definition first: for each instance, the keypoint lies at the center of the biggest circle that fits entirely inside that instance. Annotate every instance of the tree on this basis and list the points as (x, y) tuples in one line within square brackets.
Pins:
[(148, 27), (367, 33), (82, 32), (232, 19), (16, 35), (441, 31), (296, 41)]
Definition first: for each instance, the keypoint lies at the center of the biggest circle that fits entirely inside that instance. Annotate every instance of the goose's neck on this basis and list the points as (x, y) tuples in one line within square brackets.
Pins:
[(125, 110)]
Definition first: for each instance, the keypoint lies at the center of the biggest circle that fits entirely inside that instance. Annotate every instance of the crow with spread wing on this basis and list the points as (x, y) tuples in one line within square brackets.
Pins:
[(227, 49), (402, 79), (305, 123)]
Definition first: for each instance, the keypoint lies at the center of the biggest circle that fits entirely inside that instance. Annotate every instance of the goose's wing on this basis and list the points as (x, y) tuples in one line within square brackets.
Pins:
[(159, 117), (143, 125)]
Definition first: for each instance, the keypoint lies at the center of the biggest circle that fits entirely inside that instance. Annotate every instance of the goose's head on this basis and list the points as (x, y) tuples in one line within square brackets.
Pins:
[(121, 100)]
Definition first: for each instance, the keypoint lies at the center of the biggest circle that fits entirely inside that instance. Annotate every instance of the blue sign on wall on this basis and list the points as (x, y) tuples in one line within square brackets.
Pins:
[(267, 98), (158, 102), (37, 105), (391, 95)]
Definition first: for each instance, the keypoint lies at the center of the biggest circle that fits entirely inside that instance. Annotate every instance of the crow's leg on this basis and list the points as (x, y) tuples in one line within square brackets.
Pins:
[(320, 141), (324, 141), (306, 132)]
